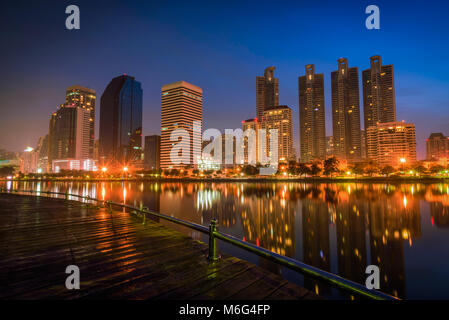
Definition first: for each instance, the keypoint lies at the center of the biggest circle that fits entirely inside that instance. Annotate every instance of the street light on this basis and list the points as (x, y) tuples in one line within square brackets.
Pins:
[(402, 160), (125, 169), (104, 169)]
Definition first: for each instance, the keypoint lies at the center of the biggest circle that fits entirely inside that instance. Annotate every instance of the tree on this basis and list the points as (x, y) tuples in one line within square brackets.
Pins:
[(436, 169), (387, 170), (250, 170), (358, 168), (420, 169), (6, 171), (330, 166), (303, 169), (315, 169), (195, 172)]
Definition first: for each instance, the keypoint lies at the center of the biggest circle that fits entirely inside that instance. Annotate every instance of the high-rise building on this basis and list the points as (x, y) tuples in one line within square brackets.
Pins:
[(152, 152), (120, 139), (251, 124), (311, 115), (280, 118), (181, 106), (267, 91), (86, 99), (69, 136), (437, 147), (346, 111), (363, 144), (329, 146), (391, 143), (379, 104)]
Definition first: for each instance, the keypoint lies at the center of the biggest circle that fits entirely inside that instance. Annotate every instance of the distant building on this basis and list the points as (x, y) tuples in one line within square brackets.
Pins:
[(329, 146), (267, 91), (311, 115), (42, 154), (363, 144), (120, 139), (251, 124), (29, 161), (346, 111), (152, 152), (437, 147), (181, 106), (86, 99), (392, 143), (379, 104), (69, 136), (280, 118)]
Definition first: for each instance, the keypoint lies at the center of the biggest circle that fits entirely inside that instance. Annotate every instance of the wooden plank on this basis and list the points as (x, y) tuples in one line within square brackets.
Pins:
[(118, 257)]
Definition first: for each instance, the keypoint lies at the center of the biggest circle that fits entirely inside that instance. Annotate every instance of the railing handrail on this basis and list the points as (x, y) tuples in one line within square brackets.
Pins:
[(212, 231)]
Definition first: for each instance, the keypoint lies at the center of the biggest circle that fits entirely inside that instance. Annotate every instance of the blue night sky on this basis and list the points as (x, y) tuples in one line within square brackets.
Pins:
[(221, 47)]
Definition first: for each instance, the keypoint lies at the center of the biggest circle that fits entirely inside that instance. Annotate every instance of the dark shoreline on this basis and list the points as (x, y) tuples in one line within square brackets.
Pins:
[(391, 180)]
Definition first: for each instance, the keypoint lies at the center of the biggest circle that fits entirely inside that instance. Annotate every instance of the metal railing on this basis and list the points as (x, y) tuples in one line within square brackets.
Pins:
[(213, 233)]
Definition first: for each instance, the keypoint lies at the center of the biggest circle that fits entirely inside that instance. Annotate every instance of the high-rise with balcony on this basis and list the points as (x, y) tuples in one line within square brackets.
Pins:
[(181, 108), (84, 98), (311, 115), (346, 112), (70, 134), (437, 146), (152, 152), (120, 140), (279, 118), (379, 104), (267, 91), (392, 143)]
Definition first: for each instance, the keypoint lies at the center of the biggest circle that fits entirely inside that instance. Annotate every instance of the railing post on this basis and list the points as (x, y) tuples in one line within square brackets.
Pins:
[(213, 247), (67, 195)]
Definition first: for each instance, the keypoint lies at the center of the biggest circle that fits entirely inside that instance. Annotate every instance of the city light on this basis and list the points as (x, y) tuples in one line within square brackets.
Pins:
[(402, 160), (125, 169), (104, 169)]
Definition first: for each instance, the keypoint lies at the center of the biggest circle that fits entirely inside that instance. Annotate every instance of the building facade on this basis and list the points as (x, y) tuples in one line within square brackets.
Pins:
[(379, 103), (181, 108), (152, 152), (267, 91), (120, 140), (280, 118), (311, 115), (437, 146), (84, 98), (392, 143), (70, 133), (346, 112), (255, 125)]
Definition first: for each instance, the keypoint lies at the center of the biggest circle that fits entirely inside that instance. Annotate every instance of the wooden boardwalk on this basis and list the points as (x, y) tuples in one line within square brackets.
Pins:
[(119, 257)]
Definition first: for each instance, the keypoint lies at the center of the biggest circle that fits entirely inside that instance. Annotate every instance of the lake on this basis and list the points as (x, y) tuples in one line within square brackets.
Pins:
[(337, 227)]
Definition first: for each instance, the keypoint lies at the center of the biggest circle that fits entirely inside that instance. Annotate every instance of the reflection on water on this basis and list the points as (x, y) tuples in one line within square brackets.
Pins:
[(340, 228)]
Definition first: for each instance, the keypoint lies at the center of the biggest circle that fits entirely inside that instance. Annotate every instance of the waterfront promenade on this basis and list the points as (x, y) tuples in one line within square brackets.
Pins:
[(120, 256)]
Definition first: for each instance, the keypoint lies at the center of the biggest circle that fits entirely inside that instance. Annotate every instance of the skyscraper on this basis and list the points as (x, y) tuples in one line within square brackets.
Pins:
[(280, 118), (391, 143), (251, 124), (120, 139), (437, 146), (152, 152), (69, 133), (181, 106), (379, 104), (346, 111), (311, 115), (267, 91), (86, 99)]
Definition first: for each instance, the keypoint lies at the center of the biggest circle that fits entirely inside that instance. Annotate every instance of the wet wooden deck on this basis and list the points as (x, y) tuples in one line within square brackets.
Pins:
[(119, 257)]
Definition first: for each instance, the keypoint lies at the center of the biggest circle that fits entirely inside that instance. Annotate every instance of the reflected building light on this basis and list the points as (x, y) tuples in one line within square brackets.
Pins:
[(405, 202), (103, 193)]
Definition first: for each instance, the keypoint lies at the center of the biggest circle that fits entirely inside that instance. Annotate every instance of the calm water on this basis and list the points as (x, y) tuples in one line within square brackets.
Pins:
[(342, 228)]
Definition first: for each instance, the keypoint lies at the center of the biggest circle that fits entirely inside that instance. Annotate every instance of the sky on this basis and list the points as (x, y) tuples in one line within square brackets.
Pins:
[(220, 46)]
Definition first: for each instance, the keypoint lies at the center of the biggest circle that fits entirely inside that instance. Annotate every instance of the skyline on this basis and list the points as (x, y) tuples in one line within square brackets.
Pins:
[(229, 86)]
